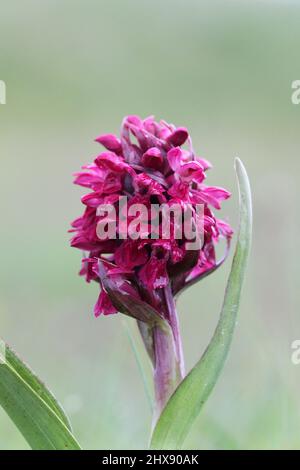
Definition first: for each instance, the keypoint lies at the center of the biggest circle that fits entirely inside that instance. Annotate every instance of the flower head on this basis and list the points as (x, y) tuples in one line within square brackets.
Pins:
[(151, 163)]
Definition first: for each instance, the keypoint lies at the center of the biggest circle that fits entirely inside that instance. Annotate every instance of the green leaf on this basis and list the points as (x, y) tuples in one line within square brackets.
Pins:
[(35, 383), (189, 397), (32, 407)]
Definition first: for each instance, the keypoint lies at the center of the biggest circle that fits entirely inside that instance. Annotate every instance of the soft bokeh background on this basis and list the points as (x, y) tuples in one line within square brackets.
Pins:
[(73, 69)]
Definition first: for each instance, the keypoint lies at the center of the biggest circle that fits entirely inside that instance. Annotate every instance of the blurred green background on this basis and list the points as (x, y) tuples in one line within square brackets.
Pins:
[(224, 69)]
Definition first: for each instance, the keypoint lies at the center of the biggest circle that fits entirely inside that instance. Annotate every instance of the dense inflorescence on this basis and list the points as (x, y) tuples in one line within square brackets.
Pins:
[(151, 163)]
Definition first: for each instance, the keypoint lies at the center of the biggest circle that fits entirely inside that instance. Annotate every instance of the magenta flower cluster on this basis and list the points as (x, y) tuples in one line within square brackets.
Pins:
[(151, 162)]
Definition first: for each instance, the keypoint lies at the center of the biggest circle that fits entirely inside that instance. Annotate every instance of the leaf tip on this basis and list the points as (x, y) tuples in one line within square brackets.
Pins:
[(239, 166)]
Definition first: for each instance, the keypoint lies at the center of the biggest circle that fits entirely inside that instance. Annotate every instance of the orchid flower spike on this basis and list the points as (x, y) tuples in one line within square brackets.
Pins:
[(140, 269)]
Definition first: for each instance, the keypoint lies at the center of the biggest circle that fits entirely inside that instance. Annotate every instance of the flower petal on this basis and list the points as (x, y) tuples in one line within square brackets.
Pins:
[(111, 142), (152, 158), (178, 137), (154, 273), (174, 158), (131, 254), (104, 305)]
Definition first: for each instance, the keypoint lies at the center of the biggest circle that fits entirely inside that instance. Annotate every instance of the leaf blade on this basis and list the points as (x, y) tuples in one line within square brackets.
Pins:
[(36, 420), (188, 399), (36, 384)]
